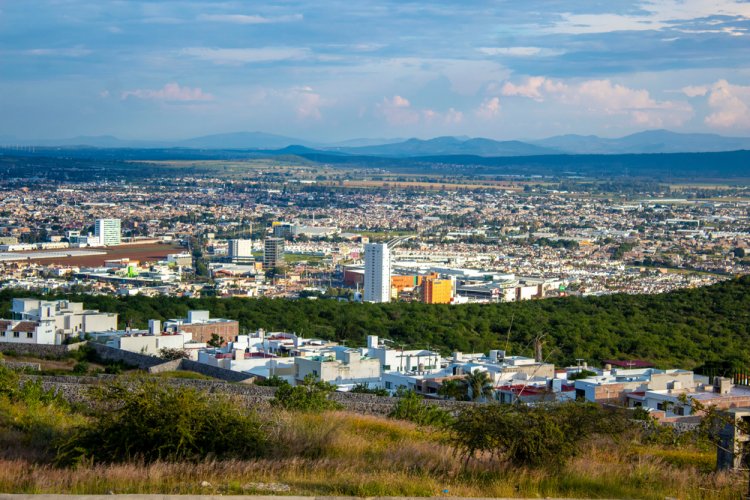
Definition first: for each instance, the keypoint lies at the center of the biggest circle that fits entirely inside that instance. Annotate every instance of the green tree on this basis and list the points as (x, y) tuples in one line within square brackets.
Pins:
[(311, 395), (215, 340), (413, 408), (146, 420), (479, 386)]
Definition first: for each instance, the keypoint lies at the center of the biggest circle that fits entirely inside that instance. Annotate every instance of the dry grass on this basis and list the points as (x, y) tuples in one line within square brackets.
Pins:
[(339, 453)]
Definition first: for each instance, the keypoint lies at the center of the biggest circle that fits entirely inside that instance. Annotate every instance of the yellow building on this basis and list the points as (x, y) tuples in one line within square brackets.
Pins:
[(437, 291)]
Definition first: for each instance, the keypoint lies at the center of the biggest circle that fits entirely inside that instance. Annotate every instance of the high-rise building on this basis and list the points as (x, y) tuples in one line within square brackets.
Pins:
[(377, 273), (108, 231), (437, 291), (273, 253), (240, 250)]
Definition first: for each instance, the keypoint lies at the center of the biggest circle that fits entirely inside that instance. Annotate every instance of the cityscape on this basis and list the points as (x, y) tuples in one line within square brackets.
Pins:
[(383, 250)]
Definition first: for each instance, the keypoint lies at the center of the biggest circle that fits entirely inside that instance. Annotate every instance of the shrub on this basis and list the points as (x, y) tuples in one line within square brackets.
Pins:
[(311, 395), (412, 407), (366, 389), (532, 436), (274, 381), (149, 421), (173, 353), (81, 368)]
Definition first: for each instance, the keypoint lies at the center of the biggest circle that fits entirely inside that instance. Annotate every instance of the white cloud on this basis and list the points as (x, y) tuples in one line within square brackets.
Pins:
[(520, 51), (730, 105), (534, 88), (399, 111), (60, 52), (602, 97), (695, 90), (653, 15), (489, 108), (306, 102), (246, 55), (170, 92), (248, 19)]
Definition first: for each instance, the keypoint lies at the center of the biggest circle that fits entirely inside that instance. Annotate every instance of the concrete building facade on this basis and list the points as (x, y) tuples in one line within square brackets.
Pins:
[(377, 273)]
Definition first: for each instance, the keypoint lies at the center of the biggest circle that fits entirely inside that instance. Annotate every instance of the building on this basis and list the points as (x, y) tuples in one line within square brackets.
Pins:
[(108, 231), (203, 327), (240, 251), (273, 253), (339, 365), (437, 291), (377, 273), (52, 322)]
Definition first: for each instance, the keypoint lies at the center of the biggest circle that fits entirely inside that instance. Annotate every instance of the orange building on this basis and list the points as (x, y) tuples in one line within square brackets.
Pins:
[(437, 291)]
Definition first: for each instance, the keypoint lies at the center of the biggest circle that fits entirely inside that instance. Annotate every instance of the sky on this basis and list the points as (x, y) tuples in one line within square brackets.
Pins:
[(332, 70)]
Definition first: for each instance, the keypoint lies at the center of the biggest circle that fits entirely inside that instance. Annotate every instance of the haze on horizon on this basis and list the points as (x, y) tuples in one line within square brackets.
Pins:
[(334, 70)]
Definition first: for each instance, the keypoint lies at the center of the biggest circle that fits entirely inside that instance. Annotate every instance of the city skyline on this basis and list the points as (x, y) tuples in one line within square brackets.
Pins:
[(334, 71)]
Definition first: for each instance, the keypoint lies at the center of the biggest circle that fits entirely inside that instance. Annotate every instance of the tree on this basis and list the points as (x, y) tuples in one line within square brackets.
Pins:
[(311, 395), (413, 408), (215, 341), (173, 353), (545, 435), (453, 389), (479, 386), (146, 420)]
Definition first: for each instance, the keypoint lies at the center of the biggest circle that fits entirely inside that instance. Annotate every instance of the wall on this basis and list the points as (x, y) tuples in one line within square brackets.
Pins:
[(39, 350), (76, 390)]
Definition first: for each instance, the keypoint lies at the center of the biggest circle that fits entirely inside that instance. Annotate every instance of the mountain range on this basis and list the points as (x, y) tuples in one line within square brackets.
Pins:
[(653, 141)]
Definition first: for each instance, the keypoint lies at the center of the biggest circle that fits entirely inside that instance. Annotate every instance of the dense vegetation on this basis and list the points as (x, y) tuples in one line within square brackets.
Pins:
[(685, 328)]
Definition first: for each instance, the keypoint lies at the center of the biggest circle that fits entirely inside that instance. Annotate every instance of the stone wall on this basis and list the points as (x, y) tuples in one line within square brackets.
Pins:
[(215, 371), (75, 389), (21, 365), (39, 350), (153, 364), (142, 361)]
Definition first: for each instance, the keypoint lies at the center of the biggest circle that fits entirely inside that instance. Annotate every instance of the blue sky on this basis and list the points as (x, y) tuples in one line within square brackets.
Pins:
[(332, 69)]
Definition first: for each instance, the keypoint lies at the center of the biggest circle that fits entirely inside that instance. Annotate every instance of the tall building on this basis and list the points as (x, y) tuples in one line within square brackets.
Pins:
[(273, 253), (108, 231), (437, 291), (240, 250), (377, 273)]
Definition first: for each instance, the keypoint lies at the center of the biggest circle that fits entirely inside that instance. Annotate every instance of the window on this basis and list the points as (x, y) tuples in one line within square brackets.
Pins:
[(388, 385), (16, 335), (2, 334), (29, 335)]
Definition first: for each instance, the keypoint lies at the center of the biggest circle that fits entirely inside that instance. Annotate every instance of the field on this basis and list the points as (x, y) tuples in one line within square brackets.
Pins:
[(339, 453)]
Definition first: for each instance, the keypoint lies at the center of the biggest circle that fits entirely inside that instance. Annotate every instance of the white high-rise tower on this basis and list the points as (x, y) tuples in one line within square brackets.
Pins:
[(377, 273), (108, 231)]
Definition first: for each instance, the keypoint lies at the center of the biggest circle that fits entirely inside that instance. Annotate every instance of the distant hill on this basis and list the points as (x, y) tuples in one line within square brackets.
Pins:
[(650, 141), (450, 146), (241, 140)]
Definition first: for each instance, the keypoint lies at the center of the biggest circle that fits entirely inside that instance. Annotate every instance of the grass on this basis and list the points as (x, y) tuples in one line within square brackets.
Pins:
[(341, 453)]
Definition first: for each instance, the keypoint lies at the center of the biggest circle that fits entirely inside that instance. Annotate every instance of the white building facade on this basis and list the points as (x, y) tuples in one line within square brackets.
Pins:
[(377, 273), (108, 231)]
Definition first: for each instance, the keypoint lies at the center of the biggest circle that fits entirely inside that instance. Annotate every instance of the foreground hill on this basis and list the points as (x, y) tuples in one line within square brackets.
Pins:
[(685, 328)]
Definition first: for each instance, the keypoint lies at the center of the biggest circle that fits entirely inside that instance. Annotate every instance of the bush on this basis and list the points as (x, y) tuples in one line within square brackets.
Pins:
[(149, 421), (311, 395), (532, 436), (411, 407), (366, 389), (274, 381), (81, 368)]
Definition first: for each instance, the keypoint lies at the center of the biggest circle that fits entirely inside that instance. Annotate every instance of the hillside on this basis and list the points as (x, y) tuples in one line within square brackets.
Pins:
[(686, 328)]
